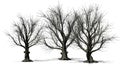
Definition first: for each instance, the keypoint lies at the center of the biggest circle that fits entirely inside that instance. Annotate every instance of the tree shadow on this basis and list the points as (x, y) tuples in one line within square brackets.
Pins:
[(84, 61), (45, 60), (74, 60), (54, 59), (98, 61)]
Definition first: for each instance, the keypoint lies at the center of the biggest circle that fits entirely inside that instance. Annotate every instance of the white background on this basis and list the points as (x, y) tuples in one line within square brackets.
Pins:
[(11, 55)]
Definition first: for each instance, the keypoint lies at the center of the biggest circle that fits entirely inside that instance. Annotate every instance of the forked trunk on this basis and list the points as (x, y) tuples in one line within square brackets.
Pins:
[(89, 57), (89, 48)]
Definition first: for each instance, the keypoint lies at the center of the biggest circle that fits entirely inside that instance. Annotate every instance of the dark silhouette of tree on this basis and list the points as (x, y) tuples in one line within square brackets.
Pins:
[(90, 32), (61, 28), (26, 35)]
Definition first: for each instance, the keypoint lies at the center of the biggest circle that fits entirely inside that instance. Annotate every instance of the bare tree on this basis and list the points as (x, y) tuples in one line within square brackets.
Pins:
[(90, 32), (61, 29), (26, 35)]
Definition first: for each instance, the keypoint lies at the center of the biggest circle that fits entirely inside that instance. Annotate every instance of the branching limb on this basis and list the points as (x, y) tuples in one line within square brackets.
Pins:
[(15, 41), (77, 41), (103, 41), (55, 41), (55, 33), (50, 46), (36, 36), (70, 43)]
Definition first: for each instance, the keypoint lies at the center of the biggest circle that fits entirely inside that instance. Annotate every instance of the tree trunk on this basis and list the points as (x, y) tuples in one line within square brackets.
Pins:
[(89, 57), (64, 54), (27, 57), (89, 48)]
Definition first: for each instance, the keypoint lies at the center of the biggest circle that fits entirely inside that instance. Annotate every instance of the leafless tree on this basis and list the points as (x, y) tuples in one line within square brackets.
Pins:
[(90, 32), (61, 28), (26, 35)]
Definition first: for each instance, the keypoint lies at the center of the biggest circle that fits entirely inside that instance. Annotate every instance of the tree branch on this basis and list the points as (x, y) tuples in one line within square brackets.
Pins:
[(51, 46), (15, 41)]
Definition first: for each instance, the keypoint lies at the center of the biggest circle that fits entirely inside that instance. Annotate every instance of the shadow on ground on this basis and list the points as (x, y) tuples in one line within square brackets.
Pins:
[(45, 60), (75, 60), (84, 61)]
